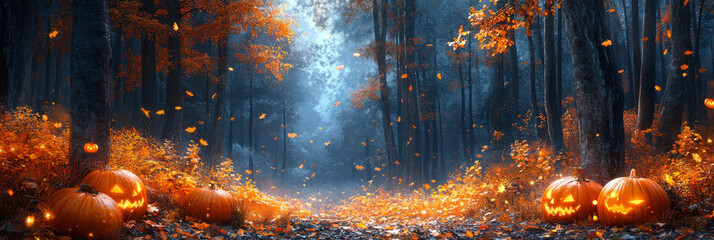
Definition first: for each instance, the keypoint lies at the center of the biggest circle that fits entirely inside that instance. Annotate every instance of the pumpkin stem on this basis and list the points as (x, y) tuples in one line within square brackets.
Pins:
[(632, 173), (107, 168), (579, 174), (86, 188)]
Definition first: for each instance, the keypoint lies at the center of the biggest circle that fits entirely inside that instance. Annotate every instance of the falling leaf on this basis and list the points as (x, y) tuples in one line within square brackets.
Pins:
[(669, 33), (658, 88), (359, 167), (233, 118), (146, 112), (203, 142), (160, 112), (339, 68), (356, 54), (399, 119), (469, 234), (190, 94), (438, 75), (58, 125), (275, 139), (524, 62), (364, 144), (621, 71), (292, 135), (213, 96), (684, 66), (702, 70), (301, 165), (611, 10), (664, 52), (249, 172), (684, 74), (685, 3), (53, 34), (230, 69), (200, 122), (404, 76), (644, 39), (175, 26), (607, 43), (327, 143), (44, 118), (688, 52), (337, 103), (190, 129), (426, 186), (262, 116), (178, 108)]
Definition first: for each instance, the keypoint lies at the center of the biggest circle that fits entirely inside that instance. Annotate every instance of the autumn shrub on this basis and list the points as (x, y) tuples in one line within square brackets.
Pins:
[(33, 159)]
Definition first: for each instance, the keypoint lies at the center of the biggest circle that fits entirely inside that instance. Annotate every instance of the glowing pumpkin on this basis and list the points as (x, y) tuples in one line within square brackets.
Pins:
[(84, 213), (570, 199), (632, 200), (91, 147), (210, 205), (122, 186), (709, 102)]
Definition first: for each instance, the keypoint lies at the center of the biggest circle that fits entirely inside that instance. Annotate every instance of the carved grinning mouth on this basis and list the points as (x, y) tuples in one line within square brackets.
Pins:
[(124, 204), (561, 211)]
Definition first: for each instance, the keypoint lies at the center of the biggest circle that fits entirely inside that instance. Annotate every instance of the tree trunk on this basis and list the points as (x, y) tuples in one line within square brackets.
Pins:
[(7, 30), (559, 62), (598, 93), (174, 86), (215, 148), (149, 91), (251, 167), (636, 61), (515, 82), (552, 104), (285, 145), (632, 97), (380, 34), (645, 109), (670, 120), (534, 102), (91, 71), (23, 52)]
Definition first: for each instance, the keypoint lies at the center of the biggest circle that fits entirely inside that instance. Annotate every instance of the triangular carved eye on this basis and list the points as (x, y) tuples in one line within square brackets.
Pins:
[(117, 189), (549, 193), (569, 198)]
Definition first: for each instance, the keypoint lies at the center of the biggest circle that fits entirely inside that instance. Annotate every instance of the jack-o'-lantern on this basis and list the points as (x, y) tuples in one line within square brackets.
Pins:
[(209, 204), (122, 186), (570, 199), (84, 213), (632, 200), (91, 147), (709, 102)]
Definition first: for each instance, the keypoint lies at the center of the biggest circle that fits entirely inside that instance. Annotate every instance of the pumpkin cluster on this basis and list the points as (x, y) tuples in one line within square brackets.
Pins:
[(98, 207), (624, 200)]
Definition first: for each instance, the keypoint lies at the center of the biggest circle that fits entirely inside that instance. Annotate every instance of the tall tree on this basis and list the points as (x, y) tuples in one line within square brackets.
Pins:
[(598, 93), (379, 20), (552, 104), (149, 88), (670, 120), (636, 61), (174, 83), (645, 109), (91, 72)]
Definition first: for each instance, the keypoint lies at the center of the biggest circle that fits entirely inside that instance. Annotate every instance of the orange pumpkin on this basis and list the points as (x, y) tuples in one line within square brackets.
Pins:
[(84, 213), (570, 199), (709, 102), (91, 147), (632, 200), (210, 205), (122, 186)]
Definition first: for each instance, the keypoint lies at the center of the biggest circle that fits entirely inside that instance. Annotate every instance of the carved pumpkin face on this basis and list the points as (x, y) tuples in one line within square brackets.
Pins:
[(709, 102), (570, 199), (632, 200), (122, 186), (91, 147)]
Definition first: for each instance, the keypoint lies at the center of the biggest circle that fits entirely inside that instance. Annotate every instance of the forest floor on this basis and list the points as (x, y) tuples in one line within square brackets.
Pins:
[(161, 225), (156, 227)]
